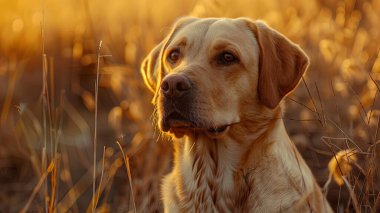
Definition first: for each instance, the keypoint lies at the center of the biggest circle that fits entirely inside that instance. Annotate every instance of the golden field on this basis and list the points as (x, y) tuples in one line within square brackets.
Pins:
[(75, 141)]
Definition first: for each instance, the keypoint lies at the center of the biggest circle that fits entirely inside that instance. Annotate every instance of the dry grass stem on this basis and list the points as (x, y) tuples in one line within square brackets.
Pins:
[(126, 162)]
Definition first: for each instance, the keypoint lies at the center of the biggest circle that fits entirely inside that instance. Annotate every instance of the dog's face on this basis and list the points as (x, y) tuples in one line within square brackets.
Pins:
[(206, 72)]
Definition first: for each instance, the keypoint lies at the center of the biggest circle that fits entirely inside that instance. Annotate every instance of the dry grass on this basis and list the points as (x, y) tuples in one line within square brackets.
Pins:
[(49, 61)]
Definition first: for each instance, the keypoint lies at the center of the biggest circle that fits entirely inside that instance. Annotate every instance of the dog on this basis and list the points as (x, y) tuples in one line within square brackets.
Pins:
[(218, 87)]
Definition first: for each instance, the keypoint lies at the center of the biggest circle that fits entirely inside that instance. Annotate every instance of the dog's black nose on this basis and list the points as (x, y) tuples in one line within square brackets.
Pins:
[(174, 85)]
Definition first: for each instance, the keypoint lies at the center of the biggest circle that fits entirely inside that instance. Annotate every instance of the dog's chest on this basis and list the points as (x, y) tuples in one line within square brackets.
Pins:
[(210, 183)]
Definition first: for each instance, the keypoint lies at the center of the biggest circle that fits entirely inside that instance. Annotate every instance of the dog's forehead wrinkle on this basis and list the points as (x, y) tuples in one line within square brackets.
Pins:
[(223, 28), (195, 30)]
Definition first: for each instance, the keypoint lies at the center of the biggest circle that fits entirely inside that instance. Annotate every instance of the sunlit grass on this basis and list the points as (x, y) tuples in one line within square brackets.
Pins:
[(48, 66)]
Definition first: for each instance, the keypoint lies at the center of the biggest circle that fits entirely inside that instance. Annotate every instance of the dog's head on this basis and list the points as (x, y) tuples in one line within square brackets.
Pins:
[(206, 72)]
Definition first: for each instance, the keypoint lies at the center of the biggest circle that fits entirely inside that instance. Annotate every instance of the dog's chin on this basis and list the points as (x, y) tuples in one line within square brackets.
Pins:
[(180, 128)]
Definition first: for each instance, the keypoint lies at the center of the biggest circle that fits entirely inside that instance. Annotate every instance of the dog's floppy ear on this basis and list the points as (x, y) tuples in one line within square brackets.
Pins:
[(151, 66), (281, 64)]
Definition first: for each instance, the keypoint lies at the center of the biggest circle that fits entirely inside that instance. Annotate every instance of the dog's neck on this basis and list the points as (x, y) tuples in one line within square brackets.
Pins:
[(243, 139), (212, 168)]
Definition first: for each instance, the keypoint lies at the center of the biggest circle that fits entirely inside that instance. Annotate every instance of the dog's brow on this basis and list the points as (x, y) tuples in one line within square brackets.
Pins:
[(221, 44), (224, 44), (182, 42)]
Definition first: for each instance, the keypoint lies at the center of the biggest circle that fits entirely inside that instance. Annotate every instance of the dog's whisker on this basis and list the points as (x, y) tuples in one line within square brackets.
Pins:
[(192, 146)]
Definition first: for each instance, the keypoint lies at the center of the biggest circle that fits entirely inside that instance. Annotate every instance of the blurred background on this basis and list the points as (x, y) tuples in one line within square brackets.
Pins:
[(51, 52)]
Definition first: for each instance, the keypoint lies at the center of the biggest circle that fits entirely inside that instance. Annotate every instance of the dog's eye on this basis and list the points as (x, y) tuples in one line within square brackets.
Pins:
[(174, 56), (227, 58)]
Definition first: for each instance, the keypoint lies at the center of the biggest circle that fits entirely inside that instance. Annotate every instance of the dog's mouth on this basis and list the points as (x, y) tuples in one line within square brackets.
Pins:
[(218, 131), (179, 125)]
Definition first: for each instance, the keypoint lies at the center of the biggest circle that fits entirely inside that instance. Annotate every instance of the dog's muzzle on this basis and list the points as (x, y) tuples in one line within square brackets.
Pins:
[(177, 99), (178, 110)]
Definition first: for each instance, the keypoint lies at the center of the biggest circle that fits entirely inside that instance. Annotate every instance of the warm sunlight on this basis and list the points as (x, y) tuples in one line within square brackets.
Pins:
[(79, 132)]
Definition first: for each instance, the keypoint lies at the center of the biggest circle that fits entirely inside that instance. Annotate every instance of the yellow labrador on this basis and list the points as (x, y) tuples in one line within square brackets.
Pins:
[(218, 85)]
